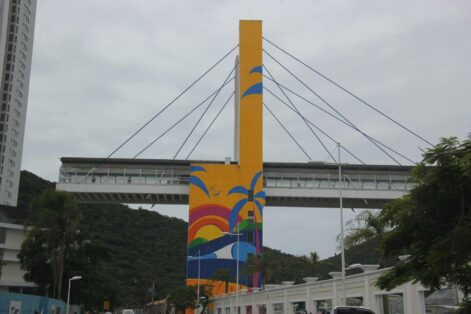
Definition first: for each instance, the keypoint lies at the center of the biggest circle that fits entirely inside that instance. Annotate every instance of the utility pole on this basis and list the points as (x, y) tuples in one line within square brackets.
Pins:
[(344, 293)]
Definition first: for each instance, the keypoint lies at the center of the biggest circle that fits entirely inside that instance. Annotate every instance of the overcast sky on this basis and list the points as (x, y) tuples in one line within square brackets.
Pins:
[(102, 68)]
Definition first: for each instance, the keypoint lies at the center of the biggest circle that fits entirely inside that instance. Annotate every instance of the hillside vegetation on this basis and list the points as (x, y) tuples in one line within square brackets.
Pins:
[(139, 246)]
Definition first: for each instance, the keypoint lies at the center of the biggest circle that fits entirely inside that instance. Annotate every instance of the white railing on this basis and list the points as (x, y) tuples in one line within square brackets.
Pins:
[(125, 176)]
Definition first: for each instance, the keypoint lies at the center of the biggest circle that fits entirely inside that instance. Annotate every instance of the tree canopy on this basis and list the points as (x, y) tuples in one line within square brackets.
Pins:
[(52, 228), (366, 226), (432, 224)]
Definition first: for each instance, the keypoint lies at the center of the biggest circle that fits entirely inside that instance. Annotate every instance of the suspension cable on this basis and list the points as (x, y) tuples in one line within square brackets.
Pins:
[(330, 106), (204, 112), (180, 120), (337, 118), (210, 125), (171, 103), (160, 112), (287, 132), (315, 126), (349, 92), (300, 115)]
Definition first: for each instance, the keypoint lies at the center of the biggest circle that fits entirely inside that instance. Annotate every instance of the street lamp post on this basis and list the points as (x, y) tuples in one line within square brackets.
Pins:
[(237, 267), (199, 276), (344, 293), (153, 289), (68, 292)]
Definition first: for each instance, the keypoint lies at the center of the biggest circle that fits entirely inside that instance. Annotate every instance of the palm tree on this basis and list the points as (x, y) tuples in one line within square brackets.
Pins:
[(54, 219), (366, 226), (260, 264), (224, 275), (313, 261)]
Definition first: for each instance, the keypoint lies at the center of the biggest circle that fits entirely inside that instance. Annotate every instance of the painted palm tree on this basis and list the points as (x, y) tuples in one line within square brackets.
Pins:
[(194, 180), (257, 199), (248, 195)]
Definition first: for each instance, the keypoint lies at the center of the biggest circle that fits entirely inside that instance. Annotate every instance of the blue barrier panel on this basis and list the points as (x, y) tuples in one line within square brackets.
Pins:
[(15, 303)]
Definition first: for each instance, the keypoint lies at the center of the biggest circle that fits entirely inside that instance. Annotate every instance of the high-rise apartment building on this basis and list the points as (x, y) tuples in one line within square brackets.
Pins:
[(17, 19)]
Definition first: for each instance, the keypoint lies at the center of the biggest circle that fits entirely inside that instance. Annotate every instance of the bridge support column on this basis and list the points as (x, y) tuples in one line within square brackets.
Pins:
[(226, 201)]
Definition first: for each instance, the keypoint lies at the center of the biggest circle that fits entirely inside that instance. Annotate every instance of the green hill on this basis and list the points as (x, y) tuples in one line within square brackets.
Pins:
[(131, 247)]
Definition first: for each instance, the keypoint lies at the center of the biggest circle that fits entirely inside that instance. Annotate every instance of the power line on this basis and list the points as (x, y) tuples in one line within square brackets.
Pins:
[(169, 104), (335, 117), (160, 112), (287, 132), (350, 93), (329, 105), (209, 126), (314, 125), (180, 120), (295, 108), (202, 115)]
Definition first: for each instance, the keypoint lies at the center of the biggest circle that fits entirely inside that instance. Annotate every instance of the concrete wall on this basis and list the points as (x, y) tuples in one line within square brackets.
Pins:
[(12, 274), (280, 299)]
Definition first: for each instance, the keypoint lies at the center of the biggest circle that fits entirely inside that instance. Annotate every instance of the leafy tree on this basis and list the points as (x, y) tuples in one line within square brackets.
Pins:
[(262, 264), (183, 297), (51, 226), (366, 226), (224, 275), (432, 223), (35, 260), (313, 261), (206, 292)]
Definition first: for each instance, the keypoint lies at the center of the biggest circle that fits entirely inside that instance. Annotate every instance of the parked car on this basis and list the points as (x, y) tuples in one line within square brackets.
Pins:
[(127, 311), (350, 310)]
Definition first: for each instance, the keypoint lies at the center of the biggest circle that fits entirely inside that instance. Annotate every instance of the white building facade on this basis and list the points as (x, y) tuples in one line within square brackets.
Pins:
[(17, 19), (316, 296), (11, 274)]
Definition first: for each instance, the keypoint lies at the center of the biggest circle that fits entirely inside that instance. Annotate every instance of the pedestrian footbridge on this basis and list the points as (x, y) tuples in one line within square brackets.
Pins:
[(161, 181)]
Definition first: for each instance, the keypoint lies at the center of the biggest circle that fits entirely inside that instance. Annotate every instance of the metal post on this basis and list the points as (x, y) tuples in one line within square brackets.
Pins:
[(199, 274), (344, 301), (68, 298), (237, 272), (68, 292), (153, 290)]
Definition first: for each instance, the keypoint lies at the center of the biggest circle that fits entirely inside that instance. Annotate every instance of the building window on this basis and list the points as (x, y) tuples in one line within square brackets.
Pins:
[(440, 301), (3, 235), (322, 305), (298, 307), (355, 301), (391, 303), (278, 308)]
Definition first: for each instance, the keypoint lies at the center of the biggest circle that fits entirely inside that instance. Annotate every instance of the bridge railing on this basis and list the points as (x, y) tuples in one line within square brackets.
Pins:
[(126, 176)]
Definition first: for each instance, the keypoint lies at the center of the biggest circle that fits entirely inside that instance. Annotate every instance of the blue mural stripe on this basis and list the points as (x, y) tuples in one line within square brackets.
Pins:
[(238, 189), (259, 206), (255, 179), (254, 89), (257, 69), (235, 213), (197, 168), (197, 182), (260, 195)]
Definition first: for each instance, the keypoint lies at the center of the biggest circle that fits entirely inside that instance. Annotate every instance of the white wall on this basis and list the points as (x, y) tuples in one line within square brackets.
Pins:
[(12, 274), (359, 285)]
